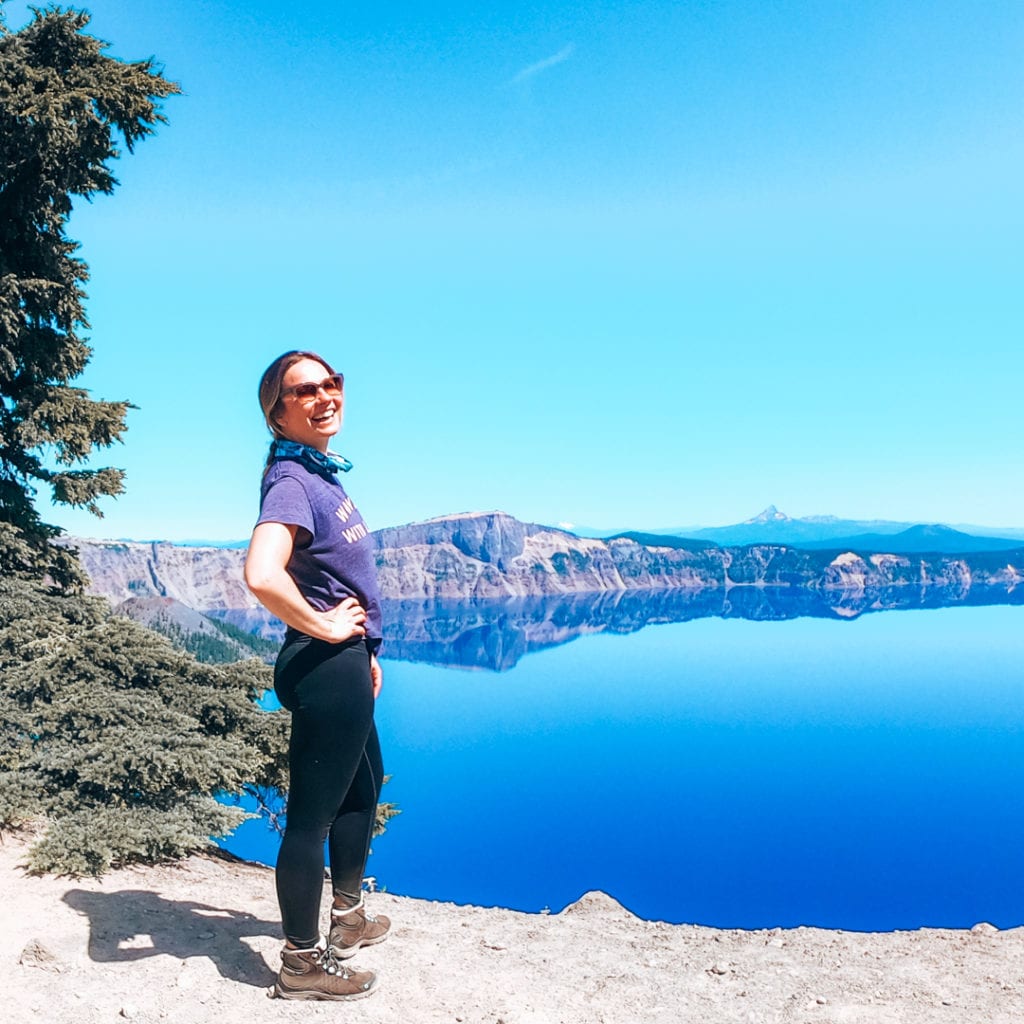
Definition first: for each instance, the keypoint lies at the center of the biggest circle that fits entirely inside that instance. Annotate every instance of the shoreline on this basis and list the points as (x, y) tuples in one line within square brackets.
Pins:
[(230, 857)]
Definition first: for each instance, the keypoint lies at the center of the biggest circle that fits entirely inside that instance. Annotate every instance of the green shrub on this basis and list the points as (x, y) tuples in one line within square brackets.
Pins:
[(116, 740)]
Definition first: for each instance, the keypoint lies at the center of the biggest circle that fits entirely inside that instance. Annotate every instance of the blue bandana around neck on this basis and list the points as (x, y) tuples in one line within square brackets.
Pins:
[(311, 458)]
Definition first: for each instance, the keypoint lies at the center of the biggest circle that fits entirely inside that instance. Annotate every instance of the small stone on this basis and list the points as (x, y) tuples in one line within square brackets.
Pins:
[(128, 1011), (205, 935), (719, 968), (821, 1001), (777, 943), (984, 928), (35, 954)]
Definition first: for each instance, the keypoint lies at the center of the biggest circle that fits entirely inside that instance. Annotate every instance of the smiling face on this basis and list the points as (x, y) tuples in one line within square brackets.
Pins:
[(313, 422)]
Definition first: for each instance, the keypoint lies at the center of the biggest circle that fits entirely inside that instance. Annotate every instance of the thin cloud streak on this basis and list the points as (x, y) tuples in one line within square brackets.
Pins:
[(542, 65)]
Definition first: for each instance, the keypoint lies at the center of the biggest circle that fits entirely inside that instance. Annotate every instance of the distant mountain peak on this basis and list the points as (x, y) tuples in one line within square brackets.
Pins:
[(770, 515), (932, 530)]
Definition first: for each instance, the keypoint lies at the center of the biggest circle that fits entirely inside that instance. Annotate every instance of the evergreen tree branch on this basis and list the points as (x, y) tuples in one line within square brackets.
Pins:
[(65, 109)]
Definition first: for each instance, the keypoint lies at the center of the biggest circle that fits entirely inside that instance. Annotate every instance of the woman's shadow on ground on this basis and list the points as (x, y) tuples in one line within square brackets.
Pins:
[(133, 924)]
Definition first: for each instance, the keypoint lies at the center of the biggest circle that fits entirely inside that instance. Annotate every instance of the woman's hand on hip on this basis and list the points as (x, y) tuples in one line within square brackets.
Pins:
[(376, 675), (345, 621)]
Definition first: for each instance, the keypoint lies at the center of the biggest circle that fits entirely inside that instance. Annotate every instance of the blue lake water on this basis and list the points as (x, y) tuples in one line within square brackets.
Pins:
[(864, 774)]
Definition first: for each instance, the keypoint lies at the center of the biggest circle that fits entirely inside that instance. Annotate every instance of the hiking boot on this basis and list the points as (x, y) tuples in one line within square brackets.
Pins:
[(352, 928), (316, 974)]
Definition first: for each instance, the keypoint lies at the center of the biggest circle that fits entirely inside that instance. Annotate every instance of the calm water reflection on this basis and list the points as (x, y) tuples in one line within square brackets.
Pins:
[(495, 634), (726, 771)]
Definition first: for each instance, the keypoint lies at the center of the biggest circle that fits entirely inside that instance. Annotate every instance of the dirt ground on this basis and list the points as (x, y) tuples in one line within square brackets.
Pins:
[(197, 942)]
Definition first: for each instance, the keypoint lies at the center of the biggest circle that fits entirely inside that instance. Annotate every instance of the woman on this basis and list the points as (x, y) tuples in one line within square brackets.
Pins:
[(311, 563)]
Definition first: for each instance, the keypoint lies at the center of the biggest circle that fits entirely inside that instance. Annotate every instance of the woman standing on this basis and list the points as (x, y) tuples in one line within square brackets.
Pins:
[(311, 563)]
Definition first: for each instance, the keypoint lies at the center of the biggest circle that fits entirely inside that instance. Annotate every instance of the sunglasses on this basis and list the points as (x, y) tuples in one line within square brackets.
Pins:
[(307, 391)]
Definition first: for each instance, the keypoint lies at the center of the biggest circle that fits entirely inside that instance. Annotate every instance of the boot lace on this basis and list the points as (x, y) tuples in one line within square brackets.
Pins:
[(332, 965)]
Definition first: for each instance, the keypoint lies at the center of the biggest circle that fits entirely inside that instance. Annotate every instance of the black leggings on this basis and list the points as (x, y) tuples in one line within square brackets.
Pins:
[(336, 775)]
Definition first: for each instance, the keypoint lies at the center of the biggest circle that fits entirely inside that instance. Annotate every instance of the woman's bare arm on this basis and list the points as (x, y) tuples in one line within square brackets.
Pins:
[(266, 576)]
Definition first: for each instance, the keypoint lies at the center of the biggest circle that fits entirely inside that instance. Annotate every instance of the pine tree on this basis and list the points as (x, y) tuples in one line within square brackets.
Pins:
[(63, 105), (116, 742)]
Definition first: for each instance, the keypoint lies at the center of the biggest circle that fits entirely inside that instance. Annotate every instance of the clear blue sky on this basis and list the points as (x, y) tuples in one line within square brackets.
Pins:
[(616, 264)]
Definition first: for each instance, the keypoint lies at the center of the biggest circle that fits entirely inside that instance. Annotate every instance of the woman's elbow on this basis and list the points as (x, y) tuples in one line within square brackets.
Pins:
[(259, 579), (267, 557)]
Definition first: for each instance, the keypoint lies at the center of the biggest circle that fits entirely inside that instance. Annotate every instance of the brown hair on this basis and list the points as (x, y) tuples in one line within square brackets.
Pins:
[(271, 386)]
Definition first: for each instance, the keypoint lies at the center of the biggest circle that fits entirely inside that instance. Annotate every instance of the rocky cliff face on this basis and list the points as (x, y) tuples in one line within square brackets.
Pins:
[(490, 537), (202, 578), (492, 555)]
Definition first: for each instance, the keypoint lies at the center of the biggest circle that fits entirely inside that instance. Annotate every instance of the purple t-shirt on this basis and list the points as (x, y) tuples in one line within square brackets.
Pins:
[(335, 557)]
